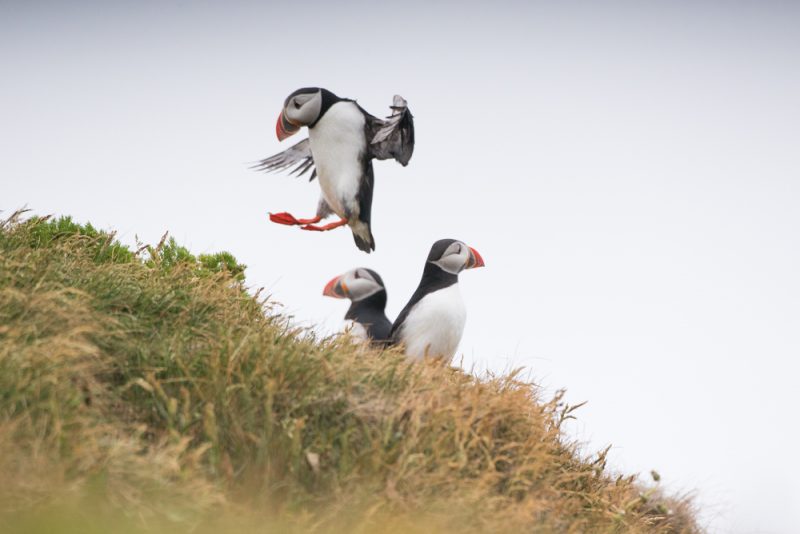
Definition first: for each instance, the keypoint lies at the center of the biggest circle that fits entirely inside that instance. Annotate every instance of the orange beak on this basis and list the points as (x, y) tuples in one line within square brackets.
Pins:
[(335, 289), (284, 128), (475, 259)]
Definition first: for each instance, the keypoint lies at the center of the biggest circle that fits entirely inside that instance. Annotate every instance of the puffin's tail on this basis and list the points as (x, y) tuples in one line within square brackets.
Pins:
[(362, 235)]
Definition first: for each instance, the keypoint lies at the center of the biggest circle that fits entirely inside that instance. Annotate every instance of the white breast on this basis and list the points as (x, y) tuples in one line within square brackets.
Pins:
[(435, 324), (337, 141), (357, 331)]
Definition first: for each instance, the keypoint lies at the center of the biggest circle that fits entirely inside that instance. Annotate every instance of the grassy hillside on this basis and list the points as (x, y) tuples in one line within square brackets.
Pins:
[(148, 390)]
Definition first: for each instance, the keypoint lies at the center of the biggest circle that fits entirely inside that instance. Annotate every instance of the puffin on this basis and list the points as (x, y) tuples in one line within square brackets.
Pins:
[(367, 294), (432, 322), (342, 141)]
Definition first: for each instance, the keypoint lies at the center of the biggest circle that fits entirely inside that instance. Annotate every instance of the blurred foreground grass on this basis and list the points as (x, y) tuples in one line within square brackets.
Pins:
[(146, 390)]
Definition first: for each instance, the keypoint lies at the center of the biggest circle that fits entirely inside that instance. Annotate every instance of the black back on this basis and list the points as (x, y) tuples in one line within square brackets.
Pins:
[(433, 279), (370, 313), (364, 198)]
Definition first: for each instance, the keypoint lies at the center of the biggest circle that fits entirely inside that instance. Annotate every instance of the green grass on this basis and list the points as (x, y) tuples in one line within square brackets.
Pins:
[(147, 390)]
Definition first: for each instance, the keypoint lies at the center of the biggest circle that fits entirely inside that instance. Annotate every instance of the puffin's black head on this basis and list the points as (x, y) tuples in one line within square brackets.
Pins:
[(355, 285), (303, 107), (453, 256)]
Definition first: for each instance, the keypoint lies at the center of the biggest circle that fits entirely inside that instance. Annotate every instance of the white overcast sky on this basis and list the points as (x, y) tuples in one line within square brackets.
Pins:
[(628, 170)]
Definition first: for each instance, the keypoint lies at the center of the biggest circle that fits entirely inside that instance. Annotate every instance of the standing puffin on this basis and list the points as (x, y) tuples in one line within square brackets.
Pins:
[(367, 294), (432, 322), (343, 139)]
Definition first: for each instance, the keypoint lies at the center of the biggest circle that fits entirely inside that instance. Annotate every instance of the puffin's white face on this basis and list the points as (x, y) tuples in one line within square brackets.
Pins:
[(300, 109), (355, 285), (303, 108), (457, 257)]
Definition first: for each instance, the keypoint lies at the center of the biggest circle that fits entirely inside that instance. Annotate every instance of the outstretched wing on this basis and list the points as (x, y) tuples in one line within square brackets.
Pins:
[(393, 137), (297, 156)]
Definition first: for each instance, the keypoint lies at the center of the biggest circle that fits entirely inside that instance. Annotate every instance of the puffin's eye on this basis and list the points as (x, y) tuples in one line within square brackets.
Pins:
[(356, 276), (296, 105)]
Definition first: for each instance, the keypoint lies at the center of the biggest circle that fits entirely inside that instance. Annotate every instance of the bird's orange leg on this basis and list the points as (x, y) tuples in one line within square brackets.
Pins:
[(326, 227), (289, 220)]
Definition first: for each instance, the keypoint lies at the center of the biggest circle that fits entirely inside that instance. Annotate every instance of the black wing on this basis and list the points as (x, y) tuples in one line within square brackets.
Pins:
[(297, 156), (394, 333), (393, 137)]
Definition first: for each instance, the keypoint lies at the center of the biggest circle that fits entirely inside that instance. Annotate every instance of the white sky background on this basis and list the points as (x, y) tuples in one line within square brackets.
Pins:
[(629, 172)]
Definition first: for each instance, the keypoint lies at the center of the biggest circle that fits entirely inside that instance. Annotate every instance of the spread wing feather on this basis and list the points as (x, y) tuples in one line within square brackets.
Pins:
[(393, 137), (297, 157)]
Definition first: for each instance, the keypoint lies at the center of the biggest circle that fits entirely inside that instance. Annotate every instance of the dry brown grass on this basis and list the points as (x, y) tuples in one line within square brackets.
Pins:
[(151, 391)]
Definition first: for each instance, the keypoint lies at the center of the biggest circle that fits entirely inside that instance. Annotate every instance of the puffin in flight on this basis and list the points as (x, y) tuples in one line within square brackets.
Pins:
[(367, 294), (343, 139), (432, 322)]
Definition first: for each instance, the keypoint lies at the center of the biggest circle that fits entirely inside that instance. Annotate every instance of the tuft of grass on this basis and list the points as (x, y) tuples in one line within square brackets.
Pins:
[(44, 232), (148, 390)]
